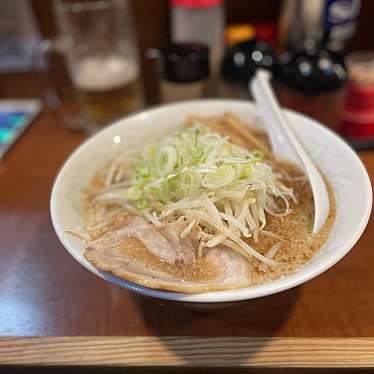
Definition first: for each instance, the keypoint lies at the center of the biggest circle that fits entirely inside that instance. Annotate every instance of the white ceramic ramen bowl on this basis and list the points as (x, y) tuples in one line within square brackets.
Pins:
[(335, 158)]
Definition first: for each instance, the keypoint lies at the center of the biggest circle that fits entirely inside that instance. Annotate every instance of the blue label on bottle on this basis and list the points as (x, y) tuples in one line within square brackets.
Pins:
[(340, 18), (341, 11)]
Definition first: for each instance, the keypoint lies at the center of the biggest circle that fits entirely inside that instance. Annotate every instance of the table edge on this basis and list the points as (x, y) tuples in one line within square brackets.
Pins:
[(269, 352)]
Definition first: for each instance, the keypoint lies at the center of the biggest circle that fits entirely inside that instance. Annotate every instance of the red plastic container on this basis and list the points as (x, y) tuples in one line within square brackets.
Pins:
[(357, 123)]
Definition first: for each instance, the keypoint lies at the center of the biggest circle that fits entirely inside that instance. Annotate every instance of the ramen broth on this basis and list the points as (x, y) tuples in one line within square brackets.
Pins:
[(294, 231)]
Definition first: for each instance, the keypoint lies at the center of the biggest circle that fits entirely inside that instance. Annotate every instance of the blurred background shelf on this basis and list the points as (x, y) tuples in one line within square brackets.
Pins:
[(154, 31)]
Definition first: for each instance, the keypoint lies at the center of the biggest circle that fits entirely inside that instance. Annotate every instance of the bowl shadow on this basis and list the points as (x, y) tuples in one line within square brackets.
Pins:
[(258, 318)]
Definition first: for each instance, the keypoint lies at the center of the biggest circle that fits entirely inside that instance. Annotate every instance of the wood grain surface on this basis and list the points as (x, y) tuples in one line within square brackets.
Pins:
[(44, 291), (188, 351)]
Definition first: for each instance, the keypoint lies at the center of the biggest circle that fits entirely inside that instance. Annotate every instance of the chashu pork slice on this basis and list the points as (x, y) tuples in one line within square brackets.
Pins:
[(231, 270), (163, 243)]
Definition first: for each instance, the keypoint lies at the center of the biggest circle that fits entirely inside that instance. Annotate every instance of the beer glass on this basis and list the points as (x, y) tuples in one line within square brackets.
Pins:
[(97, 38)]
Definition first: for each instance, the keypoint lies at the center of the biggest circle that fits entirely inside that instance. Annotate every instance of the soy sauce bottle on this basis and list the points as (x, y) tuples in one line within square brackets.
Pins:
[(312, 71)]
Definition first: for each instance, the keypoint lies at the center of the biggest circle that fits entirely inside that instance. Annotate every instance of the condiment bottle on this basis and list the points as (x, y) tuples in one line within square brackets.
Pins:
[(304, 23), (358, 115), (315, 80), (199, 21), (184, 72), (312, 70)]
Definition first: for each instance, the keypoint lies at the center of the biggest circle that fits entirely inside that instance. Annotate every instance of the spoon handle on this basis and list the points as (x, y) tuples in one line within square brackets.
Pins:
[(286, 145), (273, 118)]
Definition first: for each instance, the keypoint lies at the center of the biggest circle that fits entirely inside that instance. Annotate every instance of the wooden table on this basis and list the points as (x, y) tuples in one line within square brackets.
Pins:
[(53, 312)]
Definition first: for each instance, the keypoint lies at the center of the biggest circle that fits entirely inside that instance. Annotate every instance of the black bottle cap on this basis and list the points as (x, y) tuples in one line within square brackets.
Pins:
[(312, 71), (241, 61), (185, 62)]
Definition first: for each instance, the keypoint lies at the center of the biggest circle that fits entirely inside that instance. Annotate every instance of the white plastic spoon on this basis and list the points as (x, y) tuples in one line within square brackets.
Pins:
[(286, 145)]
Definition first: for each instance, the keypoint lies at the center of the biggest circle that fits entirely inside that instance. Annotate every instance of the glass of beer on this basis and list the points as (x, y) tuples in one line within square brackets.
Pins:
[(97, 38)]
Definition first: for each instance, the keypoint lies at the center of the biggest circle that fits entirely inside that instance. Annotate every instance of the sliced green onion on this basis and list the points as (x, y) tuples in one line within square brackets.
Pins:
[(222, 176)]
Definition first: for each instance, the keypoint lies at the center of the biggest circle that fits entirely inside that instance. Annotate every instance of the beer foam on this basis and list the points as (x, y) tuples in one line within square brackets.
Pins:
[(98, 73)]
